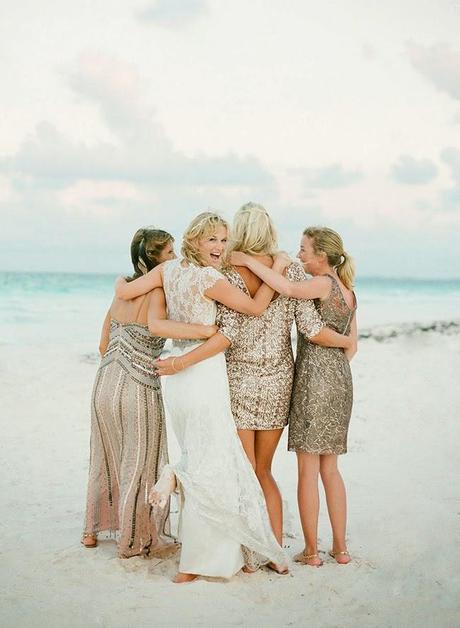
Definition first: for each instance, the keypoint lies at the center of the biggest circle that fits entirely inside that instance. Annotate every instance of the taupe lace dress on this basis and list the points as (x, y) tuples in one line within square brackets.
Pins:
[(322, 395), (260, 363), (128, 441)]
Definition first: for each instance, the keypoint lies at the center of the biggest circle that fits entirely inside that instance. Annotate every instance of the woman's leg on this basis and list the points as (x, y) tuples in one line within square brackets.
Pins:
[(336, 499), (308, 500), (266, 442), (247, 438)]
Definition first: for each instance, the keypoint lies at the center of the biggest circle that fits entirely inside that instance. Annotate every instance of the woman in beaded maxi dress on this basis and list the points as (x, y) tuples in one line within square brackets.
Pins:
[(323, 391), (128, 437), (260, 363), (224, 520)]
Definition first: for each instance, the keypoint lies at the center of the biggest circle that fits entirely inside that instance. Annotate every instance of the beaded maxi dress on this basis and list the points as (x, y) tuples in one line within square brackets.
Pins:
[(224, 521), (128, 442)]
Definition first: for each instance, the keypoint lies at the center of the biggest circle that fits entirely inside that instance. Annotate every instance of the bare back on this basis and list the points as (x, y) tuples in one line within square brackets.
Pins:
[(252, 281), (136, 310)]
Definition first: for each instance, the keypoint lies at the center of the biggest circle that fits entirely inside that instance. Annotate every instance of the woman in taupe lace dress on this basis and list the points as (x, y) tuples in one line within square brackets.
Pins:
[(323, 391), (128, 435)]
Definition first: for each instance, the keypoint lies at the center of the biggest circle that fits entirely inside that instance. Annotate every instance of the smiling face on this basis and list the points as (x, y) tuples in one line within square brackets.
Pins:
[(167, 252), (313, 263), (212, 248)]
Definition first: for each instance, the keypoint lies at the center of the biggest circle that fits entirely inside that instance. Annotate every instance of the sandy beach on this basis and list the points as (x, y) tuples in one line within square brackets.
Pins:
[(401, 472)]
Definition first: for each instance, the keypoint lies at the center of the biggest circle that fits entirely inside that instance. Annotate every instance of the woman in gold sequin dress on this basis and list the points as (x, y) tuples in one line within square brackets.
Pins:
[(128, 437), (323, 392), (259, 358)]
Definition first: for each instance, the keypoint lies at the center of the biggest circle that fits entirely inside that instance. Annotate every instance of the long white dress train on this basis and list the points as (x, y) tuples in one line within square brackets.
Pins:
[(224, 520)]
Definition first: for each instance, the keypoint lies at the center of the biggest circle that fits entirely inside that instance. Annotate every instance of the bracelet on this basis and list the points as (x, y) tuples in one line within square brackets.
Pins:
[(174, 368)]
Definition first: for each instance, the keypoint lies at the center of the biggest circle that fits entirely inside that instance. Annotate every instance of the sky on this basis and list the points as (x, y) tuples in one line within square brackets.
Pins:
[(121, 114)]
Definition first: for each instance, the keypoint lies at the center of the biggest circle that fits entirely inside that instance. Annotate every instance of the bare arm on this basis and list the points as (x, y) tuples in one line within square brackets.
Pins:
[(105, 334), (159, 325), (127, 290), (351, 351), (170, 366), (329, 338), (234, 298), (315, 288)]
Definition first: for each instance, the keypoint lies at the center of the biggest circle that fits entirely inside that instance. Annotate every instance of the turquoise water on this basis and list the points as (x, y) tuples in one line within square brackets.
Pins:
[(61, 307)]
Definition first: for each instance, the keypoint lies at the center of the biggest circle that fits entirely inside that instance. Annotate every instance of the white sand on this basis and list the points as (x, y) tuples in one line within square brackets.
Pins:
[(402, 478)]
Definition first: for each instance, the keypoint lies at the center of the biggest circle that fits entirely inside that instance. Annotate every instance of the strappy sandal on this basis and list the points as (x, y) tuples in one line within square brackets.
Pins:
[(89, 540), (304, 558), (343, 553)]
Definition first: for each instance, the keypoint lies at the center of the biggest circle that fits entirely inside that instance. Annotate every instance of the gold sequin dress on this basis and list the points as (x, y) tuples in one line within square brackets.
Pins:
[(322, 395), (260, 362), (128, 441)]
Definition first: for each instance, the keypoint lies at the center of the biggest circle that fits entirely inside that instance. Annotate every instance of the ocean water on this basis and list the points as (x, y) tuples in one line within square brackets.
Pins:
[(38, 308)]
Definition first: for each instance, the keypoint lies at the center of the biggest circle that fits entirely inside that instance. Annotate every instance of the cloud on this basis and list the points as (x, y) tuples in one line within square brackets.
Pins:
[(140, 152), (173, 12), (411, 171), (329, 177), (368, 52), (439, 64), (451, 197)]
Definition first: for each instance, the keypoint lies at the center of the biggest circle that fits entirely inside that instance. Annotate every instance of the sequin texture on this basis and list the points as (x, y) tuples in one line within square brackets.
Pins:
[(260, 362), (128, 441), (322, 396)]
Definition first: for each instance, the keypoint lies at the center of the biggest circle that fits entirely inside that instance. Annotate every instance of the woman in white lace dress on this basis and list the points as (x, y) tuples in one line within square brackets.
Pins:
[(224, 521)]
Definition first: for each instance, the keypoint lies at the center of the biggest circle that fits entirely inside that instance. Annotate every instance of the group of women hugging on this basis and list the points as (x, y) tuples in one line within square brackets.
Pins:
[(228, 303)]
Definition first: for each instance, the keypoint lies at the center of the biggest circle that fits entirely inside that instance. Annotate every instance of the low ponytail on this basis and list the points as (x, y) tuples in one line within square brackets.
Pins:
[(328, 241), (137, 257), (146, 247), (346, 270)]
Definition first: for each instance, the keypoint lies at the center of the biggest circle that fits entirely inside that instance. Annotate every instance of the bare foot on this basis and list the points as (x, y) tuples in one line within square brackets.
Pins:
[(313, 560), (183, 578), (283, 570), (342, 557), (89, 540), (166, 484)]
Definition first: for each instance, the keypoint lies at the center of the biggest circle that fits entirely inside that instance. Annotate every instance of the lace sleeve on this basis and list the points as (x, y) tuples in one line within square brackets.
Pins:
[(307, 319), (228, 322), (208, 277)]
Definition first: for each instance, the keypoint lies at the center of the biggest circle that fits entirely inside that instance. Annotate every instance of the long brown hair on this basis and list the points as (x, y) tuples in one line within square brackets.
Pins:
[(146, 247)]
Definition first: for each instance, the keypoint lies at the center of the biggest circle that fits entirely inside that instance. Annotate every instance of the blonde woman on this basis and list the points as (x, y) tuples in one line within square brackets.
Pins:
[(259, 357), (224, 509), (323, 391)]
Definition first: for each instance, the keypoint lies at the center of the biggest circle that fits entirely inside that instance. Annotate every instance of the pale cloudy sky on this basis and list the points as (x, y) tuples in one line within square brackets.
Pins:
[(118, 114)]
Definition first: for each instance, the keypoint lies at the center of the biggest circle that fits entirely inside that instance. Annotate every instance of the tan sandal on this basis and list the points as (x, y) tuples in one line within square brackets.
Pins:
[(342, 553), (89, 540), (304, 558)]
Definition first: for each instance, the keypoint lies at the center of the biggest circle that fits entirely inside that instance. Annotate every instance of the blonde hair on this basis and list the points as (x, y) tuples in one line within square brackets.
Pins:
[(203, 226), (328, 241), (253, 231)]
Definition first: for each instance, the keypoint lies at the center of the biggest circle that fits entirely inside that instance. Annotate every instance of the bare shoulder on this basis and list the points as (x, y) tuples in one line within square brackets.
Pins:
[(324, 285)]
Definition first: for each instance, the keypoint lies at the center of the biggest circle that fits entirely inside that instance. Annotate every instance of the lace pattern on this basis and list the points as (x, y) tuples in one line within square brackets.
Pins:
[(216, 477)]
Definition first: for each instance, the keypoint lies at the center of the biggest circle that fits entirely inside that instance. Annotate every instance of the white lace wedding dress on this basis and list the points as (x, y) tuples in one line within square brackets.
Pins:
[(224, 520)]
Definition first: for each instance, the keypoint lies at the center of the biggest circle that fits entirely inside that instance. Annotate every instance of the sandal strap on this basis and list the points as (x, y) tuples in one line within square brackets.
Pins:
[(342, 553)]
